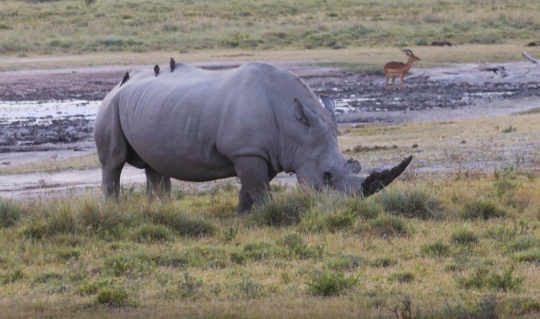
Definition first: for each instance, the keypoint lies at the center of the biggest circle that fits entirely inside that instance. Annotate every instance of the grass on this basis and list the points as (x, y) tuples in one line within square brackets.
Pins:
[(161, 25), (463, 242), (94, 256)]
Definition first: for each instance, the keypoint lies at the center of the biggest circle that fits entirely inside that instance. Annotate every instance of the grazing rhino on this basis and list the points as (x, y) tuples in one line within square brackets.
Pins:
[(253, 122)]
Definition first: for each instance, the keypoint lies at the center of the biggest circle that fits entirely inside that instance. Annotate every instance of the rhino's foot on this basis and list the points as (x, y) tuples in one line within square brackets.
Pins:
[(379, 180)]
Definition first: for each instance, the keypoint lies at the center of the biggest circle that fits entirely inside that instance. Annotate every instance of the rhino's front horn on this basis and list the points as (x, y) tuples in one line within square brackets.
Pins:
[(379, 180)]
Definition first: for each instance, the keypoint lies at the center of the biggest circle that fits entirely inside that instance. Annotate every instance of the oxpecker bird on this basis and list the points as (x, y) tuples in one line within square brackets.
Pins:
[(126, 77), (173, 64), (156, 69)]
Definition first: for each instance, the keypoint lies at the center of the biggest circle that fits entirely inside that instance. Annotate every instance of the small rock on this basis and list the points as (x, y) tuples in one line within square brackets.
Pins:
[(415, 146)]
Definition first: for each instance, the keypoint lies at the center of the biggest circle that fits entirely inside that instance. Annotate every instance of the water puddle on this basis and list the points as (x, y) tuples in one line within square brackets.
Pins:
[(43, 113)]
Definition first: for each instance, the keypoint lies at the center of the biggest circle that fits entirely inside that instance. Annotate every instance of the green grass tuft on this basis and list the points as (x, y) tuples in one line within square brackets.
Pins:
[(481, 209), (464, 237), (112, 297), (437, 249), (413, 202), (328, 284)]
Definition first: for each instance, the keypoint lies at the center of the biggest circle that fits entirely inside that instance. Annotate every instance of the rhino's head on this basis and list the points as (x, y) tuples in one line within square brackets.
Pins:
[(319, 162)]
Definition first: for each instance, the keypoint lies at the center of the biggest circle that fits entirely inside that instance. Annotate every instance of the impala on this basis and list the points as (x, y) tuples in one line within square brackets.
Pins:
[(398, 68)]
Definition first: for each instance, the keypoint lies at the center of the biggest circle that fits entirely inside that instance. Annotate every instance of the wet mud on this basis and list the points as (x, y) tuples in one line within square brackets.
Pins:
[(60, 114)]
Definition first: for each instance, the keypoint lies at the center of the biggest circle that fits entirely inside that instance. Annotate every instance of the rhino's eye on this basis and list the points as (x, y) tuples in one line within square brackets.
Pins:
[(327, 178)]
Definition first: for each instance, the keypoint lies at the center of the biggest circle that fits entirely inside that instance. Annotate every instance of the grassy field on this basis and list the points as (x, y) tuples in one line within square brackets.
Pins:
[(69, 27), (464, 243)]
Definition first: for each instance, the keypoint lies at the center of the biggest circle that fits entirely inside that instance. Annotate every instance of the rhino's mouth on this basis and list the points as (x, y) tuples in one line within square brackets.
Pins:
[(327, 179)]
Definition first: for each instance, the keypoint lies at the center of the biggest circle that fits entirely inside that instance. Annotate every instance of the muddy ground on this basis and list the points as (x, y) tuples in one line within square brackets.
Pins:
[(33, 128)]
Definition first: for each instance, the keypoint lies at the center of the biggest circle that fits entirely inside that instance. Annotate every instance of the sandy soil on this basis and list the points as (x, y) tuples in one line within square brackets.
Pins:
[(43, 130)]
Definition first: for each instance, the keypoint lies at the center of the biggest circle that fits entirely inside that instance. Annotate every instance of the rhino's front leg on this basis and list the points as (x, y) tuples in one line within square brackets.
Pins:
[(255, 179), (156, 183)]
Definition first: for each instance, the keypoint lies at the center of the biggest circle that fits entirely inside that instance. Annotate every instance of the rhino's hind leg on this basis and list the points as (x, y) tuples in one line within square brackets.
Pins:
[(110, 179), (156, 183), (255, 178)]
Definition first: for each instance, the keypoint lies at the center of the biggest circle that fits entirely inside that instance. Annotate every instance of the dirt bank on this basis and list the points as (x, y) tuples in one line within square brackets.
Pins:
[(43, 130)]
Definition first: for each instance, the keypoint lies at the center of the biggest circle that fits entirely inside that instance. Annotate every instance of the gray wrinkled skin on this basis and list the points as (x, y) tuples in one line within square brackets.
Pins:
[(198, 125)]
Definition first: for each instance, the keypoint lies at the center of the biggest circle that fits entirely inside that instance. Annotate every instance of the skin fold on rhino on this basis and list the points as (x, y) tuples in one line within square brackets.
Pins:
[(197, 125)]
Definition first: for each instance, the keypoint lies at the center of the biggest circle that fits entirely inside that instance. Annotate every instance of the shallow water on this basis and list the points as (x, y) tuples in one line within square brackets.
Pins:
[(43, 113)]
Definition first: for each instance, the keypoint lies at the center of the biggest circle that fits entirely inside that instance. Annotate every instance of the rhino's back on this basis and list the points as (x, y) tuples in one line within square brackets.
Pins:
[(190, 124)]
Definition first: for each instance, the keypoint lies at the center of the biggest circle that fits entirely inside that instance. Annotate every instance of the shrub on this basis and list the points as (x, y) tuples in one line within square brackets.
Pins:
[(67, 254), (35, 230), (330, 284), (523, 243), (12, 276), (364, 208), (112, 297), (47, 276), (98, 216), (10, 213), (386, 226), (286, 209), (483, 277), (151, 233), (345, 262), (261, 250), (296, 248), (190, 287), (531, 255), (178, 222), (414, 202), (250, 288), (402, 277), (63, 221), (437, 249), (383, 262), (481, 208), (508, 129), (464, 237)]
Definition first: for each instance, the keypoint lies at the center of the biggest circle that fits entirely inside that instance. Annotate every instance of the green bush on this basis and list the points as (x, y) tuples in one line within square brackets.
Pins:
[(484, 278), (10, 213), (345, 262), (180, 223), (151, 233), (295, 247), (413, 202), (523, 243), (386, 226), (383, 262), (12, 276), (481, 208), (261, 250), (330, 284), (437, 249), (402, 277), (530, 255), (112, 297), (98, 216), (63, 221), (190, 287), (363, 208), (464, 237), (286, 209)]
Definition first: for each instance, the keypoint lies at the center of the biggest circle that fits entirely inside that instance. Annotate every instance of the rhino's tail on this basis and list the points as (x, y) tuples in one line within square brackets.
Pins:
[(379, 180)]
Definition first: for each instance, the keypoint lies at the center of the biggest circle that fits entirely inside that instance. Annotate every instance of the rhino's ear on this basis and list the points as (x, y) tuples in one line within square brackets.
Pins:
[(329, 105), (306, 115)]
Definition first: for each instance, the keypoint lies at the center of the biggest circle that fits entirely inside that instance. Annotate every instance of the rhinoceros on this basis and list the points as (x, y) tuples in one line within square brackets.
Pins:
[(198, 125)]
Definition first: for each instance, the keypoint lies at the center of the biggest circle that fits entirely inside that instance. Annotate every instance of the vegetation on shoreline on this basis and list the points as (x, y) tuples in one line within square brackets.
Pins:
[(460, 244), (70, 27), (459, 248)]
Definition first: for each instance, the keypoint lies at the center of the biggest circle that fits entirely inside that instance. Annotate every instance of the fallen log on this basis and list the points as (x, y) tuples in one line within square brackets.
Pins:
[(530, 58)]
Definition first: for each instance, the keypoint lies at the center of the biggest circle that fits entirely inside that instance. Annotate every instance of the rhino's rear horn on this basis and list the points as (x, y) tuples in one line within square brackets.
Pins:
[(379, 180)]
